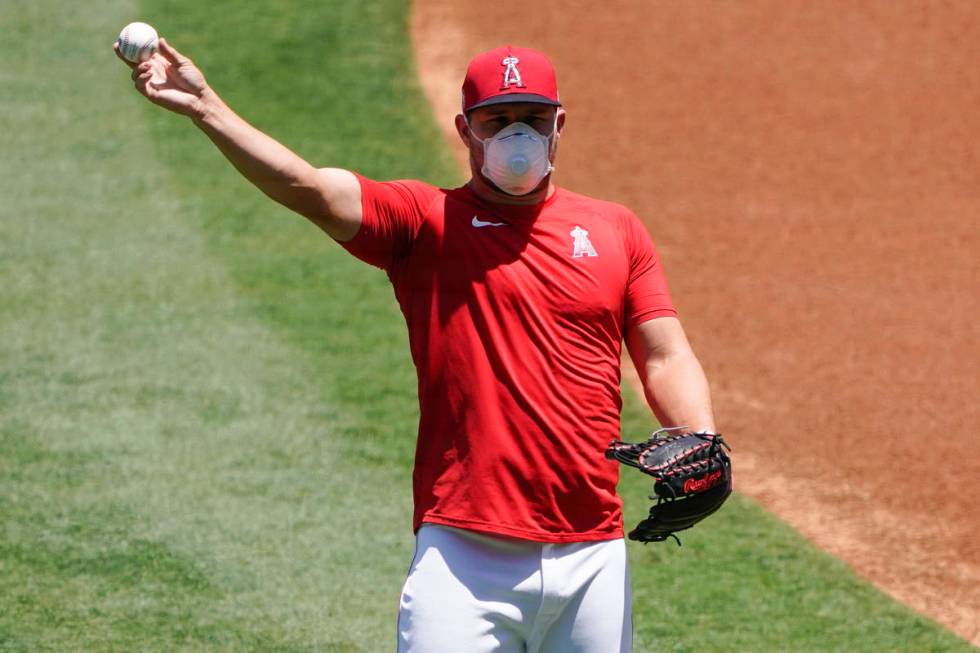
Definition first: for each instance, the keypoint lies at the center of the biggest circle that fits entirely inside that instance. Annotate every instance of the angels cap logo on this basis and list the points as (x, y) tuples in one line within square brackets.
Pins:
[(581, 244), (512, 76)]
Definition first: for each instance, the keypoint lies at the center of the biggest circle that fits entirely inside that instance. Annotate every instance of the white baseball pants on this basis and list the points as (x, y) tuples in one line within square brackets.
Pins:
[(471, 593)]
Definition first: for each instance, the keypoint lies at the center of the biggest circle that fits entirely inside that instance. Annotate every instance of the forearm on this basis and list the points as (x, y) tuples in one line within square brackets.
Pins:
[(677, 391), (330, 198), (269, 165)]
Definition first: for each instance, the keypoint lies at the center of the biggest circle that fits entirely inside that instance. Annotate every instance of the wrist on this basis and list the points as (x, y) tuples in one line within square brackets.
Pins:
[(208, 108), (705, 432)]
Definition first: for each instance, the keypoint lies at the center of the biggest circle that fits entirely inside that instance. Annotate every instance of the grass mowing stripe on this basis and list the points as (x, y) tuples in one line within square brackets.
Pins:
[(166, 469), (207, 409)]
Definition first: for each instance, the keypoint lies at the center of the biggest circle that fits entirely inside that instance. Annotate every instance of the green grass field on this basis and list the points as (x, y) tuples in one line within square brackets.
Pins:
[(207, 408)]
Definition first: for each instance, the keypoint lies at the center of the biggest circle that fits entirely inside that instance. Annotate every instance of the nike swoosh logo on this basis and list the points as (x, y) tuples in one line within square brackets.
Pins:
[(477, 222)]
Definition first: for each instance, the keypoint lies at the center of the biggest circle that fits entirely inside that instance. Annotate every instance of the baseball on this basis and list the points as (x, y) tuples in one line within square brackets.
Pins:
[(137, 42)]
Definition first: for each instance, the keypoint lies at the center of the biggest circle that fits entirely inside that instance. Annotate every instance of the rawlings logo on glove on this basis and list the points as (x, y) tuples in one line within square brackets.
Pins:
[(695, 485), (693, 477)]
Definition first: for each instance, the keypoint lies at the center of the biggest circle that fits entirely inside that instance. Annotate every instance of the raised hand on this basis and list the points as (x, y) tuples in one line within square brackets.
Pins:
[(170, 80)]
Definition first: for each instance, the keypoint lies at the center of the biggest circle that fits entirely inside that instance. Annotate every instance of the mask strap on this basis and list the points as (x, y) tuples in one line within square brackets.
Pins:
[(481, 141)]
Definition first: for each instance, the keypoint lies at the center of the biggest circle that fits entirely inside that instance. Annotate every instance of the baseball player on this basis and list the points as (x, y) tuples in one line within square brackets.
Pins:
[(517, 295)]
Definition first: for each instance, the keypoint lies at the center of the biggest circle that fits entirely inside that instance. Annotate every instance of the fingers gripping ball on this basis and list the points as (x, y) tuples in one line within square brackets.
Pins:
[(137, 42), (692, 478)]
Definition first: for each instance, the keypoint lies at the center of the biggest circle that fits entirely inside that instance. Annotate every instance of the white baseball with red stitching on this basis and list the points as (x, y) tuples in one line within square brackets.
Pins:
[(137, 42)]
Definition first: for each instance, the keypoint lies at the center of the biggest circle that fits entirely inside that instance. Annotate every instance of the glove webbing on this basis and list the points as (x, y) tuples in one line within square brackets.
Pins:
[(656, 470)]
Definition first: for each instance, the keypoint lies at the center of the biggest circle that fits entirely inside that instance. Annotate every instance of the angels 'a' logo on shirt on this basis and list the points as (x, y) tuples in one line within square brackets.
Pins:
[(581, 244)]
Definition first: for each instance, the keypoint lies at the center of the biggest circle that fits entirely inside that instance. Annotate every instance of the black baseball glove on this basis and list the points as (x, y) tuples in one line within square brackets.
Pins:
[(693, 478)]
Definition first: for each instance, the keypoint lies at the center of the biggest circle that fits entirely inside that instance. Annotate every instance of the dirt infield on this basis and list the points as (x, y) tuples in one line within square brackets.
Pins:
[(811, 175)]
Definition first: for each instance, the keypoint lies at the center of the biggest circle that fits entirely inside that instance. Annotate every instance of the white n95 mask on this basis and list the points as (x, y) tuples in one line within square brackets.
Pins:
[(516, 158)]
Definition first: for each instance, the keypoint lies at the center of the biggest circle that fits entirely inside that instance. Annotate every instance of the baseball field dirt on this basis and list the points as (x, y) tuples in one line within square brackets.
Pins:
[(810, 174)]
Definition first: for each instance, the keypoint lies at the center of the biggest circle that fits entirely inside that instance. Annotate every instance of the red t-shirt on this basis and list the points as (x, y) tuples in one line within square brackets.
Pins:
[(515, 317)]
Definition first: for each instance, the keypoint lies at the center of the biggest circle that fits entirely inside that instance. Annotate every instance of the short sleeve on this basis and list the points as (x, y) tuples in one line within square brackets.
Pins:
[(391, 214), (647, 295)]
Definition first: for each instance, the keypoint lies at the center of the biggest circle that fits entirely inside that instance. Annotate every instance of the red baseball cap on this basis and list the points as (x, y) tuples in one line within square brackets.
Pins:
[(509, 74)]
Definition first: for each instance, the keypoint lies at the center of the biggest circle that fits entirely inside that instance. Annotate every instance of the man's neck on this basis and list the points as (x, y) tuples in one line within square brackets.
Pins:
[(491, 195)]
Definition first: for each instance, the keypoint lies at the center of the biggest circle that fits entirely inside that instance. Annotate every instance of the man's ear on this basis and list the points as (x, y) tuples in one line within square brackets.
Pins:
[(560, 120), (463, 130)]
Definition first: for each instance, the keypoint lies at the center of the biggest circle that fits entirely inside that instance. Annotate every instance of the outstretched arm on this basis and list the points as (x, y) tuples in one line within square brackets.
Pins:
[(673, 380), (329, 197)]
